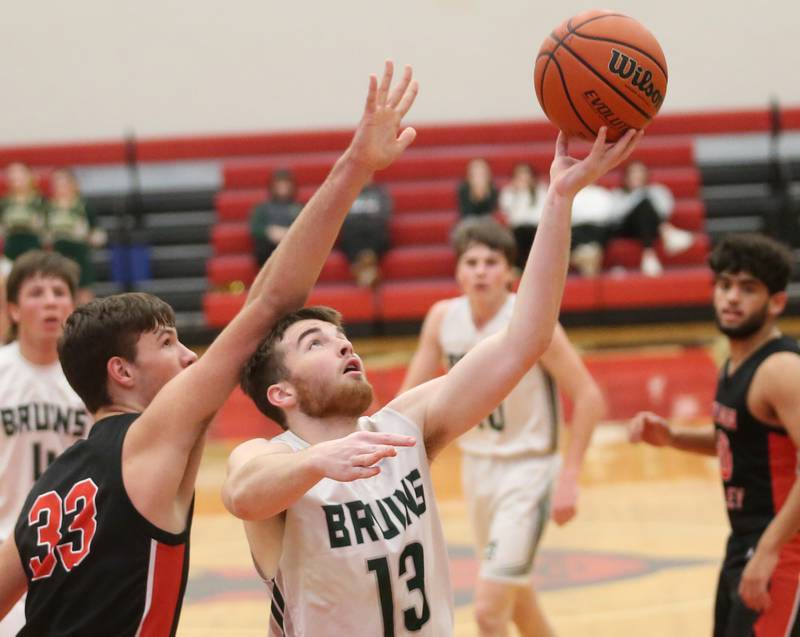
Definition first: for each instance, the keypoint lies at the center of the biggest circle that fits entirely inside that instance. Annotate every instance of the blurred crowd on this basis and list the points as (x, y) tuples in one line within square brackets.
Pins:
[(639, 211), (54, 218)]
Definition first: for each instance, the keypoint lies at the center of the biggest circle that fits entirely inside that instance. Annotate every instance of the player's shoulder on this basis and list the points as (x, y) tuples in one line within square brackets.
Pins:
[(440, 308), (783, 365), (9, 353)]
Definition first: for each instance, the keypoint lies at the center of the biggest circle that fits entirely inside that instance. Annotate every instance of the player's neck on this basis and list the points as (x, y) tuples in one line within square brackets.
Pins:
[(741, 349), (484, 309), (115, 410), (316, 430), (38, 352)]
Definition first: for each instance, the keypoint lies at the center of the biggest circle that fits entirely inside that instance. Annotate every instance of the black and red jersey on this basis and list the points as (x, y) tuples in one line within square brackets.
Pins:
[(95, 565), (758, 460)]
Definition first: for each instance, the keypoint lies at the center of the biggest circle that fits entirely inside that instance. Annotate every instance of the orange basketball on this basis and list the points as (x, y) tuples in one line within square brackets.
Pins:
[(600, 68)]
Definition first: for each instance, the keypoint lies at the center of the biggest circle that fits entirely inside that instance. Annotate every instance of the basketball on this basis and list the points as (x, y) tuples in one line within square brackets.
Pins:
[(600, 68)]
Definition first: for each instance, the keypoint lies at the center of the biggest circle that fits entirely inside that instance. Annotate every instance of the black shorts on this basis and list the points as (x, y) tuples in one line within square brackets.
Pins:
[(733, 619)]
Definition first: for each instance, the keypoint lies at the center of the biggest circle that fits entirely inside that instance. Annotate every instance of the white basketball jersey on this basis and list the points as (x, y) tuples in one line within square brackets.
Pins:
[(41, 415), (366, 557), (526, 422)]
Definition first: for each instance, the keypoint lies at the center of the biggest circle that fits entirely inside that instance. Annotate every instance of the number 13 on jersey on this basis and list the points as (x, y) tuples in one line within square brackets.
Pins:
[(412, 567)]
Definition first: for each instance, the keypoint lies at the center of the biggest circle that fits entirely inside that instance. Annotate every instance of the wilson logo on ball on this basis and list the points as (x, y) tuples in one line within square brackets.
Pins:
[(627, 67)]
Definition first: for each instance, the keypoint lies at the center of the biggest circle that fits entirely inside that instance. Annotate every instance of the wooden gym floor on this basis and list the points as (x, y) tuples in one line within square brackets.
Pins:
[(640, 558)]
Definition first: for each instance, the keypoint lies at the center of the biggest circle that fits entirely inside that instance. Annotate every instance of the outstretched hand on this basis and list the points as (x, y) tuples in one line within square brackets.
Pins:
[(357, 455), (569, 175), (378, 140)]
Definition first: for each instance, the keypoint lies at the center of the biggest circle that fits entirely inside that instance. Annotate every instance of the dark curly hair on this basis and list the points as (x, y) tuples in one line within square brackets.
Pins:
[(768, 260)]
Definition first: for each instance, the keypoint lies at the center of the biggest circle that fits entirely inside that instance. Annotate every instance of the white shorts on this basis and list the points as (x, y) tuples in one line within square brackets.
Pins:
[(509, 503), (13, 622)]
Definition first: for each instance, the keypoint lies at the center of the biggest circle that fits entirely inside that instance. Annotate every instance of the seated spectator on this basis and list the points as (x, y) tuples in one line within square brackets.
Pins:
[(477, 194), (72, 229), (642, 211), (591, 214), (521, 202), (365, 233), (270, 220), (22, 215)]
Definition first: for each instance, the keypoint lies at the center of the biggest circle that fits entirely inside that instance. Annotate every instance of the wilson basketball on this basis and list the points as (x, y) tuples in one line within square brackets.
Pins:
[(600, 68)]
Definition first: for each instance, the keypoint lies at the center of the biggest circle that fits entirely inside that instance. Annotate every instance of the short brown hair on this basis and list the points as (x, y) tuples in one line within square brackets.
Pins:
[(485, 231), (266, 367), (102, 329), (43, 263), (766, 259), (38, 262)]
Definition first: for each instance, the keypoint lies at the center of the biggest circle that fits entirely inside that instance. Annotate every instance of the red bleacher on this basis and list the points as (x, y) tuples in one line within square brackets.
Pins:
[(418, 270)]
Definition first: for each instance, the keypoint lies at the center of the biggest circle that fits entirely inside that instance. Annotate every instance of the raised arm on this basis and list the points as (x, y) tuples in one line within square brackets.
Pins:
[(13, 582), (158, 447), (427, 360), (588, 407), (447, 407), (775, 387)]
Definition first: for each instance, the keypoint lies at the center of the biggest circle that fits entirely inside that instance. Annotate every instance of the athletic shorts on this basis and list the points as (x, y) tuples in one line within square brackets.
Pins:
[(733, 619), (509, 503)]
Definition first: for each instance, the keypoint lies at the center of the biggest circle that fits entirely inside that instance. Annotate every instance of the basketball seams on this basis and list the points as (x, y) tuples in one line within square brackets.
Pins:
[(621, 43), (607, 83), (550, 57), (569, 99), (608, 35)]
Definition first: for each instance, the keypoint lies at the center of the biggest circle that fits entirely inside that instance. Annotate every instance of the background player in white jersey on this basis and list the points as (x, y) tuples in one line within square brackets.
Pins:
[(366, 557), (41, 415), (510, 459), (152, 404)]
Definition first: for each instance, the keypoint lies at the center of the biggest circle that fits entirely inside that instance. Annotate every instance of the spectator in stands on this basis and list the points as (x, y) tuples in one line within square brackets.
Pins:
[(592, 211), (21, 224), (477, 194), (22, 215), (365, 234), (642, 211), (270, 220), (72, 229), (521, 202)]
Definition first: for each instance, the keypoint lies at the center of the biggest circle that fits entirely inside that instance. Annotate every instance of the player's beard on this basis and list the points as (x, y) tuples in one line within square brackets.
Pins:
[(348, 398), (746, 329)]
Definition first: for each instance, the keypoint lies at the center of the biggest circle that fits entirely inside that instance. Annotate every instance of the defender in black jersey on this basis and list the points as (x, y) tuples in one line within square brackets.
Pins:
[(756, 435), (102, 543)]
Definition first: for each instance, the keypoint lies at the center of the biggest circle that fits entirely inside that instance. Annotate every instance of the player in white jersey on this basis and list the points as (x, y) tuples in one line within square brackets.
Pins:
[(510, 459), (339, 511), (41, 415)]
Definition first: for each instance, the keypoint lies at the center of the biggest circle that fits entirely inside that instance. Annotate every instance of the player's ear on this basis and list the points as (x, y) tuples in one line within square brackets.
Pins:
[(281, 395), (119, 371), (13, 312), (777, 303)]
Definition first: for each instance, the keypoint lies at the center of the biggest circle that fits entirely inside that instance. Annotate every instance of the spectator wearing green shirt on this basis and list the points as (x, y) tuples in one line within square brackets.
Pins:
[(72, 230), (22, 215), (270, 220)]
